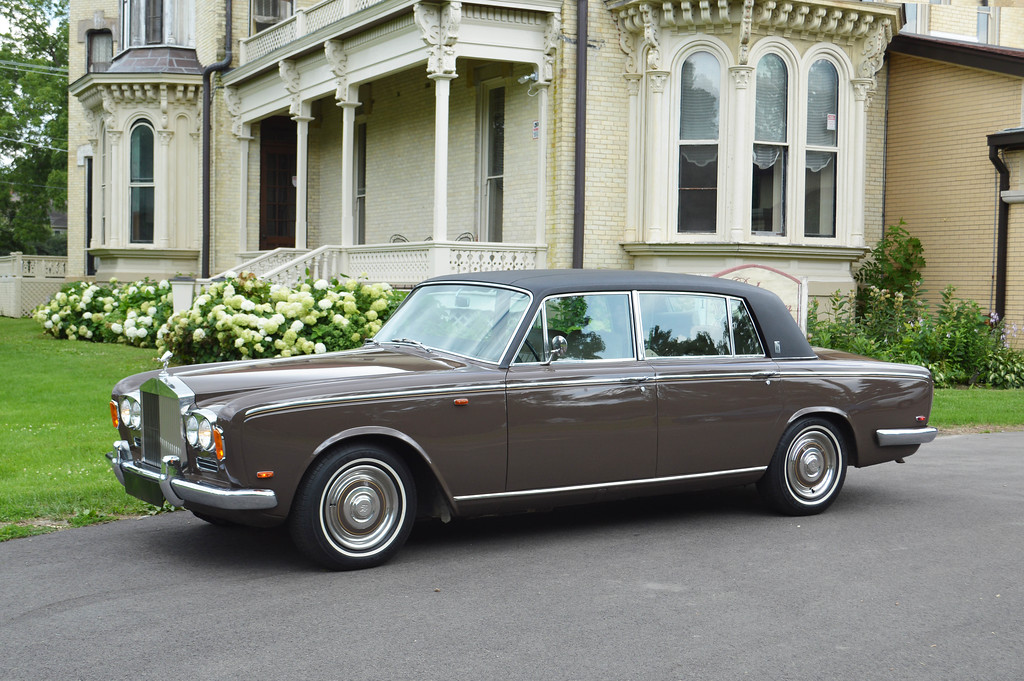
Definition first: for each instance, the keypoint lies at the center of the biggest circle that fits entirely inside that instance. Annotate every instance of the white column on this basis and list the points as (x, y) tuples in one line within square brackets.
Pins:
[(301, 174), (164, 207), (736, 134), (861, 90), (543, 140), (656, 205), (348, 168), (118, 180), (442, 87), (243, 187)]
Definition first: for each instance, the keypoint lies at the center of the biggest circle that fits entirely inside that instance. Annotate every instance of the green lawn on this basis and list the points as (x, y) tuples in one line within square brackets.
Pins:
[(56, 427), (978, 409)]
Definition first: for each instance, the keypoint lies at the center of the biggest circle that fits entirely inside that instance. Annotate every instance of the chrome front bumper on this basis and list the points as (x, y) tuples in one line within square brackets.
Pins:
[(148, 485), (894, 437)]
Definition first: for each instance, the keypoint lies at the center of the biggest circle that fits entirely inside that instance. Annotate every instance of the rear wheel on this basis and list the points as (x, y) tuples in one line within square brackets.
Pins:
[(807, 470), (354, 509)]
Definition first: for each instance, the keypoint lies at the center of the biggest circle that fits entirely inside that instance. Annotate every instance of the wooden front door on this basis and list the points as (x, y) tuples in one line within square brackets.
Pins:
[(277, 187)]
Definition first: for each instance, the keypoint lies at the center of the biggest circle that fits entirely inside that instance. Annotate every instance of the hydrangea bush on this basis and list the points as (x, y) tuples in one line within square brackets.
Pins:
[(238, 318), (246, 317), (108, 313)]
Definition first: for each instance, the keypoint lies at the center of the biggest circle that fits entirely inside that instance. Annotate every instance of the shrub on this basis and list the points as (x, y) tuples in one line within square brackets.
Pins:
[(238, 318), (894, 263), (246, 317), (959, 342), (107, 313)]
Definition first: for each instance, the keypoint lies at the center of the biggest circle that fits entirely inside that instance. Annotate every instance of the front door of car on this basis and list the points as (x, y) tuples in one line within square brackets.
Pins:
[(719, 395), (588, 416)]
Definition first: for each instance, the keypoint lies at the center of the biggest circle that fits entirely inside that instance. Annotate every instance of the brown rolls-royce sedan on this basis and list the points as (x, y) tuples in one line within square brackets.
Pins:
[(509, 391)]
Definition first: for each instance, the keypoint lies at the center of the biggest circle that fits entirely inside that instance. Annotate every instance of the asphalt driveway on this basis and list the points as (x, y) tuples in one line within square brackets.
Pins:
[(914, 573)]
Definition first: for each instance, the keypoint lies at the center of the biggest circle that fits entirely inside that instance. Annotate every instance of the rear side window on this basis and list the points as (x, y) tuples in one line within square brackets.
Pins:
[(696, 325)]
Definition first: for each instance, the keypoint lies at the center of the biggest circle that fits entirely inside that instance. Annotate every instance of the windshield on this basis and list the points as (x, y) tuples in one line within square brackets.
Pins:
[(464, 319)]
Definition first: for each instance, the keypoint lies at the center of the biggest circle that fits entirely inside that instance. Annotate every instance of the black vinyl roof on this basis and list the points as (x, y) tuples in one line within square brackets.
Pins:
[(783, 337)]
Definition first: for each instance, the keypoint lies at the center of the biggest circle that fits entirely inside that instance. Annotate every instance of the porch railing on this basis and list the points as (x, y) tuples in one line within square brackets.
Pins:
[(28, 280), (303, 22), (404, 265)]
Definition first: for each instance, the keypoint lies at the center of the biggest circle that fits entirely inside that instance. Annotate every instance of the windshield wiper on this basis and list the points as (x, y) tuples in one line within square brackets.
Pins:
[(409, 341)]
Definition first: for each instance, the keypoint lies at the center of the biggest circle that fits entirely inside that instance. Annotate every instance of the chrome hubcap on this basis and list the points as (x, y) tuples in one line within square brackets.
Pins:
[(812, 464), (362, 507)]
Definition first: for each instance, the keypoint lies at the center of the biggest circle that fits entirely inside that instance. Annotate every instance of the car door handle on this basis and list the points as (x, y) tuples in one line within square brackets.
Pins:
[(765, 376), (637, 379)]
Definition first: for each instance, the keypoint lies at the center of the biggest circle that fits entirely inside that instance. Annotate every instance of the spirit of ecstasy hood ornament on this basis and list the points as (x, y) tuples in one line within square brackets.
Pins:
[(165, 359)]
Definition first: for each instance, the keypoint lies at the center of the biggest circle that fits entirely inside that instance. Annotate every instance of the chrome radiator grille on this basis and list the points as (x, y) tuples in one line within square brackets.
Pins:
[(162, 432)]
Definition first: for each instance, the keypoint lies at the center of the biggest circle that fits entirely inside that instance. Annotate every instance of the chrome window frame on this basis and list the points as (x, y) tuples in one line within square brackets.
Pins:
[(542, 311), (508, 344), (642, 348)]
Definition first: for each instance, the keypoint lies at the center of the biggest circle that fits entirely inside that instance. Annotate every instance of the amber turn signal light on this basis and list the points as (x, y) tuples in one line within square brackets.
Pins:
[(264, 475), (113, 413), (218, 444)]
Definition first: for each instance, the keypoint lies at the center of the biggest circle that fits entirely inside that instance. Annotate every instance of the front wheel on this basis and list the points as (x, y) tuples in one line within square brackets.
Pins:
[(807, 470), (354, 509)]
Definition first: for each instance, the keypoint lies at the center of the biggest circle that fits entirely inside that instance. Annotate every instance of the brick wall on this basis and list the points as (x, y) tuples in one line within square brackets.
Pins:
[(939, 177), (874, 173)]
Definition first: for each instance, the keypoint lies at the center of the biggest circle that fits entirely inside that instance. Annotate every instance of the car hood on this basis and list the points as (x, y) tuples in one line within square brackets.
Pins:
[(218, 382)]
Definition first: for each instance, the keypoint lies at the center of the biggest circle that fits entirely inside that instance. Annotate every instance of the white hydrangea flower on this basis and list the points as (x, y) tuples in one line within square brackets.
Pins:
[(321, 284), (319, 349), (198, 335), (117, 329)]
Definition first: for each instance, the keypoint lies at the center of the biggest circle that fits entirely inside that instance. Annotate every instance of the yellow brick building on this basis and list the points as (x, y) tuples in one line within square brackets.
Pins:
[(952, 162), (402, 139)]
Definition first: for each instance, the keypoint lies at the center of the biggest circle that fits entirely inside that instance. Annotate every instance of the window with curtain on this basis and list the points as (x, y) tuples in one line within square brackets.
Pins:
[(158, 22), (699, 113), (140, 183), (771, 146), (822, 153), (99, 50)]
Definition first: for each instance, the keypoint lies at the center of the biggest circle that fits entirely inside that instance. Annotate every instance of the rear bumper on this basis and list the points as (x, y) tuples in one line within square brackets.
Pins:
[(168, 484), (895, 437)]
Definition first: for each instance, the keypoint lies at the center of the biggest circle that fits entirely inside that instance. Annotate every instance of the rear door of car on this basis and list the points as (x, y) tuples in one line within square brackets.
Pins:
[(588, 417), (719, 399)]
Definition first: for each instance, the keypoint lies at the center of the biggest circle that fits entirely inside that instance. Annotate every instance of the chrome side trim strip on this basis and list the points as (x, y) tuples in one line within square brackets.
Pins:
[(370, 397), (605, 485), (893, 437)]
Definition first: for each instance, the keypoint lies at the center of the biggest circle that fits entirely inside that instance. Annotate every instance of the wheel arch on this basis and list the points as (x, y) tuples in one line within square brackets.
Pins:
[(433, 496), (839, 419)]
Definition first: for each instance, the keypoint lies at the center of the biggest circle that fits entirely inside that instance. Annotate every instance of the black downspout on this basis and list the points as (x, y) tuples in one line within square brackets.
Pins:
[(580, 162), (207, 96), (1002, 229)]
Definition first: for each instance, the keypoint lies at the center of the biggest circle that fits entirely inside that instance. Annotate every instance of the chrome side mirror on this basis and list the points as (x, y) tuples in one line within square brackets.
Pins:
[(559, 347)]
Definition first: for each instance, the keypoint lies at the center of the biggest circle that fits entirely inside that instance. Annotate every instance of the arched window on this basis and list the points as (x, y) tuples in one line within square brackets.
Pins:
[(699, 109), (140, 182), (771, 147), (822, 150)]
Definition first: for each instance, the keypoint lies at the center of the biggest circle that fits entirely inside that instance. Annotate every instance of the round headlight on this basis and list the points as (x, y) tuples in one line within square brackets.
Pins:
[(192, 430), (126, 412), (131, 412), (205, 434)]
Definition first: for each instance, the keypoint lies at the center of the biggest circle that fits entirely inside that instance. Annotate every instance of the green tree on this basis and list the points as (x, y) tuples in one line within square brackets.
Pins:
[(33, 122)]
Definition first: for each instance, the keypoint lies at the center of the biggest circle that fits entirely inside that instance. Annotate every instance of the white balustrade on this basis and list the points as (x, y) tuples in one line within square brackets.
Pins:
[(303, 22), (28, 280)]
